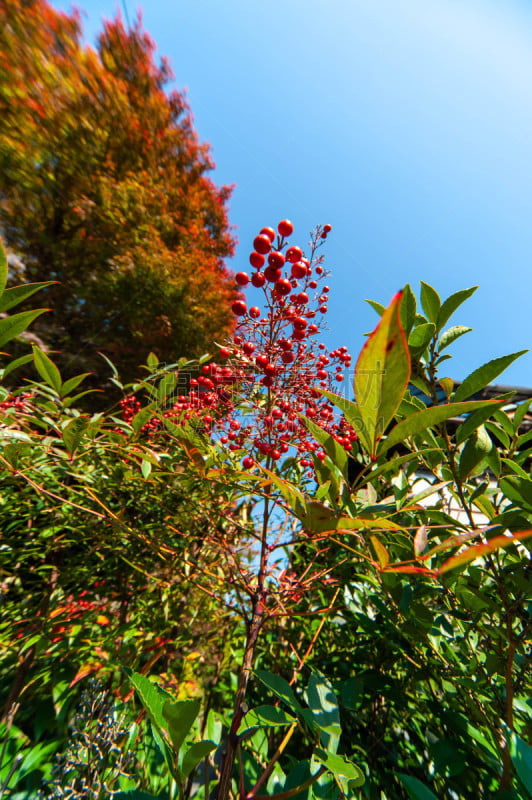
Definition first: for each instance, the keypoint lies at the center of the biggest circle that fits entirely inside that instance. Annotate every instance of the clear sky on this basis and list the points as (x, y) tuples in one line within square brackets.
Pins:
[(405, 124)]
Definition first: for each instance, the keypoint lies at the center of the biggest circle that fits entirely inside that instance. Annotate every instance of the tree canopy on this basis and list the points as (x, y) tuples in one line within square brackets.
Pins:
[(105, 188)]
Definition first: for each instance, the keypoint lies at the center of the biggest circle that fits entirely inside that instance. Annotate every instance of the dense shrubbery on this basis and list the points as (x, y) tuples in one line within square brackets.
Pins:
[(237, 535)]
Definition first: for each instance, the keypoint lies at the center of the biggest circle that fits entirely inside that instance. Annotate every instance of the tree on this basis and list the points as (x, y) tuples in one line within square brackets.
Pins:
[(104, 188)]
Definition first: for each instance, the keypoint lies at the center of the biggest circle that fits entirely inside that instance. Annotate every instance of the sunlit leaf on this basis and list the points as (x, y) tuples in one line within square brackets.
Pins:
[(381, 375)]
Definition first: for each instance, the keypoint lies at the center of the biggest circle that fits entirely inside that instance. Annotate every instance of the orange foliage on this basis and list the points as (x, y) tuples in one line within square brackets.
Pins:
[(104, 187)]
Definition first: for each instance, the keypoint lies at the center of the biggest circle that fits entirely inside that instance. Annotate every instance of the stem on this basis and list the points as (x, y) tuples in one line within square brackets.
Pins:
[(228, 762)]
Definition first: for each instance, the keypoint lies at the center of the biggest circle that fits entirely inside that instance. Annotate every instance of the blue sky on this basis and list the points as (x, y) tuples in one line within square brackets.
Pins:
[(405, 124)]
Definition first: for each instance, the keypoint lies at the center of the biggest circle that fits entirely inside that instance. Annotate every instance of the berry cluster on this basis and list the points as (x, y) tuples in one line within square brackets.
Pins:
[(16, 402), (270, 374)]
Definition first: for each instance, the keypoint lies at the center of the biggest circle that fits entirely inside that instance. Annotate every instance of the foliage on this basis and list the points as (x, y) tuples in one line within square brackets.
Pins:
[(371, 564), (104, 188)]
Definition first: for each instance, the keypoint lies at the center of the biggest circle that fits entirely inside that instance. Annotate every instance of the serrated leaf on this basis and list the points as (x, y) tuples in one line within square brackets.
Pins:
[(13, 326), (381, 375), (484, 375), (47, 369), (428, 418), (451, 335), (17, 294), (430, 300), (452, 303)]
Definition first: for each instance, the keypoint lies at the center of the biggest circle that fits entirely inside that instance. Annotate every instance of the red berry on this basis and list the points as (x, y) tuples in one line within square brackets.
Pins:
[(254, 312), (285, 227), (224, 352), (275, 454), (242, 278), (247, 462), (301, 298), (287, 357), (262, 244), (276, 259), (258, 279), (339, 377), (319, 269), (248, 348), (256, 259), (327, 229), (272, 274), (261, 361), (294, 254), (270, 233), (299, 324), (239, 308), (322, 309), (283, 287), (298, 270)]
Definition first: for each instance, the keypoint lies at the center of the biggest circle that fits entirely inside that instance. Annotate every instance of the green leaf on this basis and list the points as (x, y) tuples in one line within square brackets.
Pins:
[(475, 451), (324, 706), (485, 374), (3, 268), (519, 414), (335, 451), (180, 717), (264, 717), (280, 688), (16, 363), (136, 794), (428, 418), (13, 326), (415, 789), (196, 753), (166, 386), (521, 754), (421, 336), (451, 335), (408, 309), (145, 468), (381, 375), (153, 698), (452, 303), (16, 294), (518, 490), (347, 775), (430, 300), (47, 369), (378, 307), (142, 417), (473, 421), (152, 361), (73, 383), (73, 433)]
